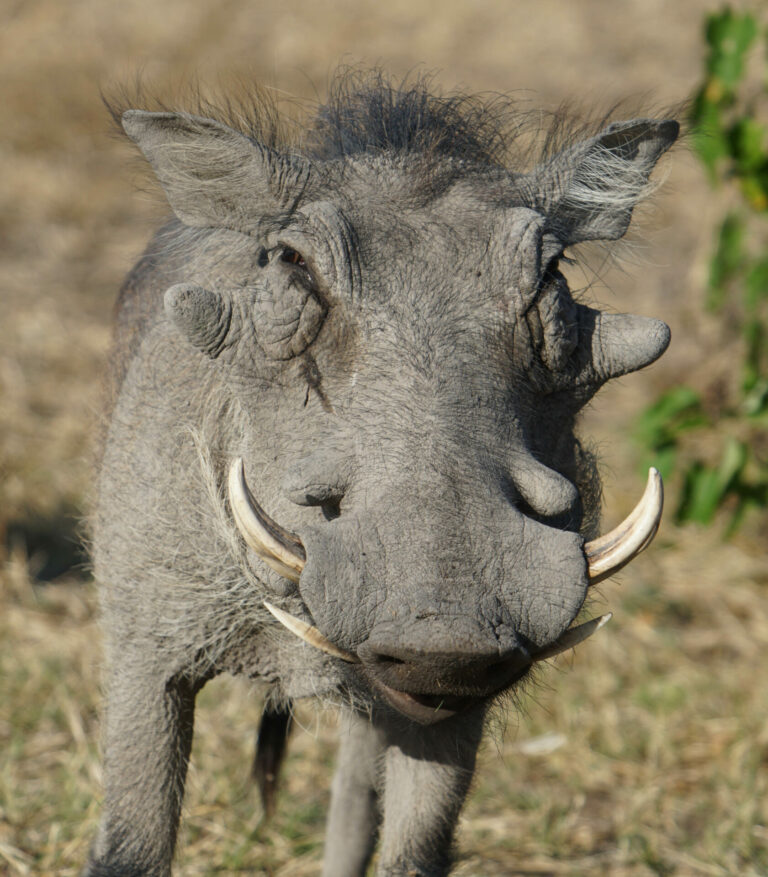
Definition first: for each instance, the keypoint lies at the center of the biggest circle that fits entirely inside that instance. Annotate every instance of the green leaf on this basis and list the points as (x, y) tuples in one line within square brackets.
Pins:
[(665, 459), (729, 35), (674, 412), (754, 187), (732, 463), (756, 285), (754, 332), (747, 139), (755, 404), (742, 506), (726, 261), (754, 337), (733, 146), (705, 488), (709, 137), (700, 495)]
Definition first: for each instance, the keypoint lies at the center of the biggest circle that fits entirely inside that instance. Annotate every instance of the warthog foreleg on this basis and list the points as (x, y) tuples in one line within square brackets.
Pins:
[(427, 774), (146, 749), (354, 814)]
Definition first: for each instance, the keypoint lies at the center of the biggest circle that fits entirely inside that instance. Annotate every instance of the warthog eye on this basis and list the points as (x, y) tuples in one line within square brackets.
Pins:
[(292, 257)]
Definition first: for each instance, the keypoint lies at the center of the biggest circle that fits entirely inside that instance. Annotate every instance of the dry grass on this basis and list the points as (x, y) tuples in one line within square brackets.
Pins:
[(643, 755)]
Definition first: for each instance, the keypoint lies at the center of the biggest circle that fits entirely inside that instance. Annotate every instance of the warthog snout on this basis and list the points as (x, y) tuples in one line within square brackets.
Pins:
[(463, 645)]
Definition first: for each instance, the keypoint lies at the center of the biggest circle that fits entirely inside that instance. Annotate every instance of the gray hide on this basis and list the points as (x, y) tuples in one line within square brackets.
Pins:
[(377, 325)]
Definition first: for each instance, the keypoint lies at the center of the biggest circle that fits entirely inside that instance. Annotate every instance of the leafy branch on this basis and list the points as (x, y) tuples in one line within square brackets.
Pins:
[(716, 439)]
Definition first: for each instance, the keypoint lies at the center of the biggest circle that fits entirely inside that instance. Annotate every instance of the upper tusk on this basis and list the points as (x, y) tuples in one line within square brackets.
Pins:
[(571, 638), (310, 634), (608, 554), (276, 546)]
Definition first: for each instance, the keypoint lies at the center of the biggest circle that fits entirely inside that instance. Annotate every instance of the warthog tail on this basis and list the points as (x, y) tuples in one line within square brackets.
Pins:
[(274, 728)]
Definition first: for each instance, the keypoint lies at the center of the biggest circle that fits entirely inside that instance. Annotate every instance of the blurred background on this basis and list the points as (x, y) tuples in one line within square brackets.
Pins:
[(643, 754)]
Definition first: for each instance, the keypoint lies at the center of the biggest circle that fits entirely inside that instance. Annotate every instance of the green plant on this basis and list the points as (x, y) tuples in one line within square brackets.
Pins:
[(715, 437)]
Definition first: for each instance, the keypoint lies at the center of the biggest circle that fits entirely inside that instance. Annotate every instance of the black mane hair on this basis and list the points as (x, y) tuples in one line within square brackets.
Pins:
[(370, 111)]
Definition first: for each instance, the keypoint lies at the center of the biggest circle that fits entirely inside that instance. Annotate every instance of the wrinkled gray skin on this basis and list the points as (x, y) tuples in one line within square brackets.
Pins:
[(404, 398)]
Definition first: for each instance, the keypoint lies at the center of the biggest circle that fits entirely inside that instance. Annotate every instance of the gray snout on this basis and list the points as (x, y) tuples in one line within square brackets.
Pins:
[(432, 669), (458, 673), (442, 597)]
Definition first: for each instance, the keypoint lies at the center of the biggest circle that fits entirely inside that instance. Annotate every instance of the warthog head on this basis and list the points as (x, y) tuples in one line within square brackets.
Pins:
[(385, 306)]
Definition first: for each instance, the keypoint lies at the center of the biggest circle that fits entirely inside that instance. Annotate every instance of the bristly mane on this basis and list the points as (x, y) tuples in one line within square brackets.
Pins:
[(370, 112)]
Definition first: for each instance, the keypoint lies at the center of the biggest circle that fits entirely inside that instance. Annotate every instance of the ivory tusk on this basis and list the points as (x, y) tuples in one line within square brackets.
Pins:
[(608, 554), (276, 546), (571, 638), (310, 634)]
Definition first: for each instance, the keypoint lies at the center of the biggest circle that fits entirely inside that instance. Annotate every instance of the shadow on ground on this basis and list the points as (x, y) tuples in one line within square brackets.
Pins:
[(52, 545)]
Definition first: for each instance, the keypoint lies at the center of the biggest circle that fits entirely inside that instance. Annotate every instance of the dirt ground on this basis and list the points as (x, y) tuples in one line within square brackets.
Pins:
[(645, 754)]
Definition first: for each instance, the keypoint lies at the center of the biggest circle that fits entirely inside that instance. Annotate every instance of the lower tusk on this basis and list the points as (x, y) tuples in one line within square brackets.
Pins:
[(608, 554), (572, 638), (310, 634), (276, 546)]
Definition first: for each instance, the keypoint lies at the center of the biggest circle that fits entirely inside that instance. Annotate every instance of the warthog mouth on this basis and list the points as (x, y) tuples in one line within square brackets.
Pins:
[(427, 709), (284, 552)]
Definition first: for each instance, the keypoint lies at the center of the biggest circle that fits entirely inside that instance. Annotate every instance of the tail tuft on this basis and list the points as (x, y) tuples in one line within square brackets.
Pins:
[(271, 740)]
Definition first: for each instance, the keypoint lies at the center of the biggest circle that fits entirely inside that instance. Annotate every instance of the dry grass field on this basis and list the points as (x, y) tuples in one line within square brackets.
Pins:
[(646, 753)]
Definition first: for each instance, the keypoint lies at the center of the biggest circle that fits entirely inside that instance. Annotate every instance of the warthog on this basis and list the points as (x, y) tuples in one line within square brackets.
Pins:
[(340, 455)]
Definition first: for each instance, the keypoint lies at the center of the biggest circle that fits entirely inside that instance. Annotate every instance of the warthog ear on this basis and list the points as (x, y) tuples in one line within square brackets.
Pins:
[(588, 191), (214, 176)]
